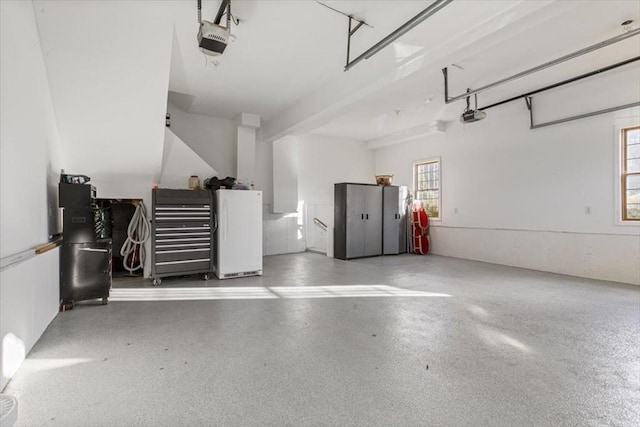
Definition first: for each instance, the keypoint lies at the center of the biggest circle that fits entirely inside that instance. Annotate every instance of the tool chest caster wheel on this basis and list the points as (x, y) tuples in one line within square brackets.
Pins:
[(157, 281), (105, 300), (66, 306)]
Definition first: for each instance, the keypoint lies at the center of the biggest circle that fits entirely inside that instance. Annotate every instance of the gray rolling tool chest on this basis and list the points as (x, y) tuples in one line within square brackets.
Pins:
[(181, 233)]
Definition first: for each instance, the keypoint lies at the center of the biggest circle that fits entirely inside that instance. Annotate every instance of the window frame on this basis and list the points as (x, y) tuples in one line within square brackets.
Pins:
[(417, 163), (624, 174)]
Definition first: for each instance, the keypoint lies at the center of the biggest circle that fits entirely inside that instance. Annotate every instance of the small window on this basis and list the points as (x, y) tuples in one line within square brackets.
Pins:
[(426, 186), (631, 174)]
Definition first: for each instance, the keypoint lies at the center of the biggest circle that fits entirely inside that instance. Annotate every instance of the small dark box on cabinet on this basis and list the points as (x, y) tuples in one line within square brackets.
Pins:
[(76, 195)]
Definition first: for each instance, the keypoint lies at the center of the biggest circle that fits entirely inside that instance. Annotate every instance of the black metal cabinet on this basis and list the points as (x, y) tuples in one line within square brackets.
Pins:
[(85, 272), (78, 218), (76, 195), (78, 225), (85, 263), (182, 231), (369, 220)]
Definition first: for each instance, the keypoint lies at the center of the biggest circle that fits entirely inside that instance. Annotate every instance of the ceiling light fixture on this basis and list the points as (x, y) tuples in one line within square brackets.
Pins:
[(627, 25)]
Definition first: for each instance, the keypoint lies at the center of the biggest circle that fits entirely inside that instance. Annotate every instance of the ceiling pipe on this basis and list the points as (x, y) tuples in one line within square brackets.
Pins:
[(407, 26), (540, 67)]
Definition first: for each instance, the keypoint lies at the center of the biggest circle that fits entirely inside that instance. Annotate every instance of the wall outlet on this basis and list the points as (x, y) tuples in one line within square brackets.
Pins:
[(587, 210)]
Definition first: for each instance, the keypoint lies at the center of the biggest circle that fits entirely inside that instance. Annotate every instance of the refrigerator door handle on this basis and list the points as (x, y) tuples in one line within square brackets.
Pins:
[(225, 207)]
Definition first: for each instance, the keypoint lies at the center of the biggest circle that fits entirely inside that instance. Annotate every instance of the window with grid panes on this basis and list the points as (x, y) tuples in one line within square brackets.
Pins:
[(426, 187), (631, 174)]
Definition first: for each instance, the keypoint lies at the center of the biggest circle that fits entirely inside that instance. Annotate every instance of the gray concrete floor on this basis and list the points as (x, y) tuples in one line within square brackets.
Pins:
[(509, 347)]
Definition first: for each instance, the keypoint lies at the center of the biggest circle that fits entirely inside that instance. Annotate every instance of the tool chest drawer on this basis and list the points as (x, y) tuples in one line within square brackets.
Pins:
[(164, 196), (182, 233), (182, 213)]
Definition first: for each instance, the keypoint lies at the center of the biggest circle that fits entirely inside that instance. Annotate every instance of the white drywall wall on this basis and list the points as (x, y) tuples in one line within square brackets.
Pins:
[(322, 161), (326, 161), (109, 80), (282, 232), (264, 182), (264, 169), (212, 138), (285, 174), (246, 154), (246, 133), (30, 162), (520, 197), (179, 162)]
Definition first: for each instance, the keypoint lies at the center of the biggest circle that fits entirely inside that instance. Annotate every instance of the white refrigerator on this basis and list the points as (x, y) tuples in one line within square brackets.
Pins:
[(238, 236)]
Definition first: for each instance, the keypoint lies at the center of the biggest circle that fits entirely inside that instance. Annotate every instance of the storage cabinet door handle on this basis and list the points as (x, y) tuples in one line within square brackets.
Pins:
[(94, 250), (362, 216), (225, 212), (367, 216)]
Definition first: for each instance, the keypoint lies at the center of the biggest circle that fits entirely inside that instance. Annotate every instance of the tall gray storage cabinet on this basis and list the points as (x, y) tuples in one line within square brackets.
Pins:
[(357, 220), (394, 227)]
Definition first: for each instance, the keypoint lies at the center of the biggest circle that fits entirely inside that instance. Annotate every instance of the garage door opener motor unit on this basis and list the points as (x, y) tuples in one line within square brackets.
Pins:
[(471, 116), (212, 37)]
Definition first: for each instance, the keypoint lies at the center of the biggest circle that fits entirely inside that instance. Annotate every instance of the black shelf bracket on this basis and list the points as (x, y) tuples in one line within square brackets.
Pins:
[(352, 31), (529, 101)]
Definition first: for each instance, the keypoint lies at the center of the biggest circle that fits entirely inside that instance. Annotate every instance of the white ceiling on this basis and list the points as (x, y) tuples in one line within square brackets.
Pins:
[(286, 63), (419, 98), (287, 51), (282, 50)]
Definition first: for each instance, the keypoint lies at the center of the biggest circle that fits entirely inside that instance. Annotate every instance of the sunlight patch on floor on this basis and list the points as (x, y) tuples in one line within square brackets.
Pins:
[(273, 292)]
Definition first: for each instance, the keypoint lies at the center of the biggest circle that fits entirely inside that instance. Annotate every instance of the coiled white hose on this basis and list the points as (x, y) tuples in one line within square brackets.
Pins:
[(138, 232)]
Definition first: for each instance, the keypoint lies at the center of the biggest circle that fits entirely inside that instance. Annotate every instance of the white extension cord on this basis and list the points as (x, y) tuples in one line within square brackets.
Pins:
[(138, 232)]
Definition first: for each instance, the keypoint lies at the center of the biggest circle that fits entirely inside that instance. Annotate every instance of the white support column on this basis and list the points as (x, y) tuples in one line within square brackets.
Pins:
[(246, 126), (285, 175)]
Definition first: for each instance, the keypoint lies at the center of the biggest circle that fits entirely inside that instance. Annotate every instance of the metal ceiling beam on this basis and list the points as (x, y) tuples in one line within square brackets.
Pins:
[(578, 117), (351, 33), (221, 9), (407, 26), (541, 67), (564, 82)]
